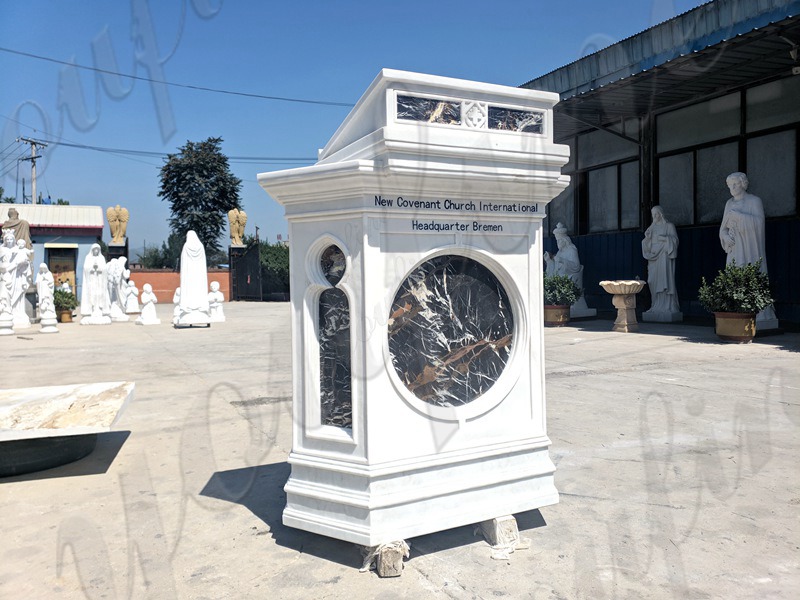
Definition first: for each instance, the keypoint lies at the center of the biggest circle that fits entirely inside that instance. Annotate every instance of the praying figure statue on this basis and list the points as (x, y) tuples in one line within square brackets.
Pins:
[(237, 219), (117, 223), (215, 300), (131, 298), (660, 249), (742, 235), (45, 288), (148, 315), (95, 303), (566, 262)]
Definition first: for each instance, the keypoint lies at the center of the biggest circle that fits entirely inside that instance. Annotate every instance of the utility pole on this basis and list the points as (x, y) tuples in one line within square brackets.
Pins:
[(33, 158)]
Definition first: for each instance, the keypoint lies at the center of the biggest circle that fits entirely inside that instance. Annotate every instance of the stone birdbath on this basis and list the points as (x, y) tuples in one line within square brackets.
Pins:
[(624, 300)]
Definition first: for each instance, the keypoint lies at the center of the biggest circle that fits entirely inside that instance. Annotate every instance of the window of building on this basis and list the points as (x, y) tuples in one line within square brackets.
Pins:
[(772, 171), (773, 104), (714, 164), (708, 121), (676, 187)]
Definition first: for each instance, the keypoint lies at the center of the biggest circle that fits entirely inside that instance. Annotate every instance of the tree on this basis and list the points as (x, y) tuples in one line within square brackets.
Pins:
[(199, 185), (167, 257), (6, 199)]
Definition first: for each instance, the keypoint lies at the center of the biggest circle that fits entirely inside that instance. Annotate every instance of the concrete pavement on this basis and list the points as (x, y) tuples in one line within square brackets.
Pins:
[(676, 454)]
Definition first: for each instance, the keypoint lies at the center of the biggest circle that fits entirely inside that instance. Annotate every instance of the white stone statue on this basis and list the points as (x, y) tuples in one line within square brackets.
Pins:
[(215, 300), (566, 262), (742, 235), (176, 300), (6, 318), (17, 276), (45, 287), (116, 288), (660, 249), (193, 306), (95, 304), (132, 298), (148, 315)]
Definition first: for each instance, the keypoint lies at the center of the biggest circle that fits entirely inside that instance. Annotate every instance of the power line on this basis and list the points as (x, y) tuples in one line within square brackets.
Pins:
[(11, 165), (180, 85), (152, 154)]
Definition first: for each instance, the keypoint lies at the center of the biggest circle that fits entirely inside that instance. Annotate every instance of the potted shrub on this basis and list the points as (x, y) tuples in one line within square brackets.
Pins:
[(560, 292), (735, 296), (65, 302)]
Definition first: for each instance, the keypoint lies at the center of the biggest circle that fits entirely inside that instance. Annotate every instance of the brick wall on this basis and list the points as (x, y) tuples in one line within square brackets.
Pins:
[(164, 282)]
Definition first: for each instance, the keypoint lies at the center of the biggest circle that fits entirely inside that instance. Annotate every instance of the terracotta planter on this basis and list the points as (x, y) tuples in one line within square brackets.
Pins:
[(736, 327), (556, 315), (64, 316)]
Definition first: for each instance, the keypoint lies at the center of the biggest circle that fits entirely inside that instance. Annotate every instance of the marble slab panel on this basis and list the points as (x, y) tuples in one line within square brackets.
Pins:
[(62, 410), (334, 359), (450, 330)]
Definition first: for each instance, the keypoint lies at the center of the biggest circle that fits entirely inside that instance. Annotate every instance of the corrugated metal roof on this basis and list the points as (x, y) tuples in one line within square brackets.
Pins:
[(673, 67), (56, 215), (692, 31)]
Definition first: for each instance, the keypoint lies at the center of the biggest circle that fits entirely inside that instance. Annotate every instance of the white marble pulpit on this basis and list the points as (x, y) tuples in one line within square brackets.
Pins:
[(416, 297)]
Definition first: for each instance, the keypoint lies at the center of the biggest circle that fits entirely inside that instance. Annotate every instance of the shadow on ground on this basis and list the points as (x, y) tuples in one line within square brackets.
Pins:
[(98, 462), (260, 490)]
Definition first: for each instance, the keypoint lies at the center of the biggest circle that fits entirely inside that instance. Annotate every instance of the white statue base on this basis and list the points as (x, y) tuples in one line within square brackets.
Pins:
[(580, 309), (147, 319), (117, 316), (96, 318), (6, 324), (48, 323), (193, 318), (216, 314), (662, 317), (22, 321), (765, 320)]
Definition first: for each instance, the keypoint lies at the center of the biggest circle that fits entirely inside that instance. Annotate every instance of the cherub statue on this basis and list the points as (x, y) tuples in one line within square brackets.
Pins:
[(215, 300), (148, 315)]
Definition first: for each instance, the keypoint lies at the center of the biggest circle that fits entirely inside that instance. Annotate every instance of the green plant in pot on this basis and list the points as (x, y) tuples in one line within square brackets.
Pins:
[(560, 292), (735, 296), (64, 302)]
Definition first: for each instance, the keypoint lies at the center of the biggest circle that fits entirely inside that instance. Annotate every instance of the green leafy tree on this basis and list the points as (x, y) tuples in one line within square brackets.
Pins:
[(166, 257), (200, 188), (6, 199), (274, 267), (150, 257)]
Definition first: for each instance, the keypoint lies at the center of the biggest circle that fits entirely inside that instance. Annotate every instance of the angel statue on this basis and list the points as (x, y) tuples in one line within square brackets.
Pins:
[(237, 219), (117, 223)]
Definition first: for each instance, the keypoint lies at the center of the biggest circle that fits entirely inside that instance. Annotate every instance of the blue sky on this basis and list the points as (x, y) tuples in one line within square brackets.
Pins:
[(306, 49)]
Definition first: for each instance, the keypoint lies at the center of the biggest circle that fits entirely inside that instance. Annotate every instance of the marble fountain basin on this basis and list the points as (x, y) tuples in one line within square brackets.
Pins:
[(623, 286), (45, 427)]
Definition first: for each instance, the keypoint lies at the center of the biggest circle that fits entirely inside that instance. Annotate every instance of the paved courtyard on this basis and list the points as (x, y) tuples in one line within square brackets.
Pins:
[(677, 463)]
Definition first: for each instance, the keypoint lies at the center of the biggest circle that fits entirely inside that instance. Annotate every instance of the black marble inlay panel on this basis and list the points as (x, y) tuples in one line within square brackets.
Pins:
[(428, 110), (515, 120), (450, 330), (334, 359), (333, 263)]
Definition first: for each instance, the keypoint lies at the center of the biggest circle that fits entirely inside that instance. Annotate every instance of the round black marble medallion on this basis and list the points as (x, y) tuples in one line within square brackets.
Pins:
[(450, 330)]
